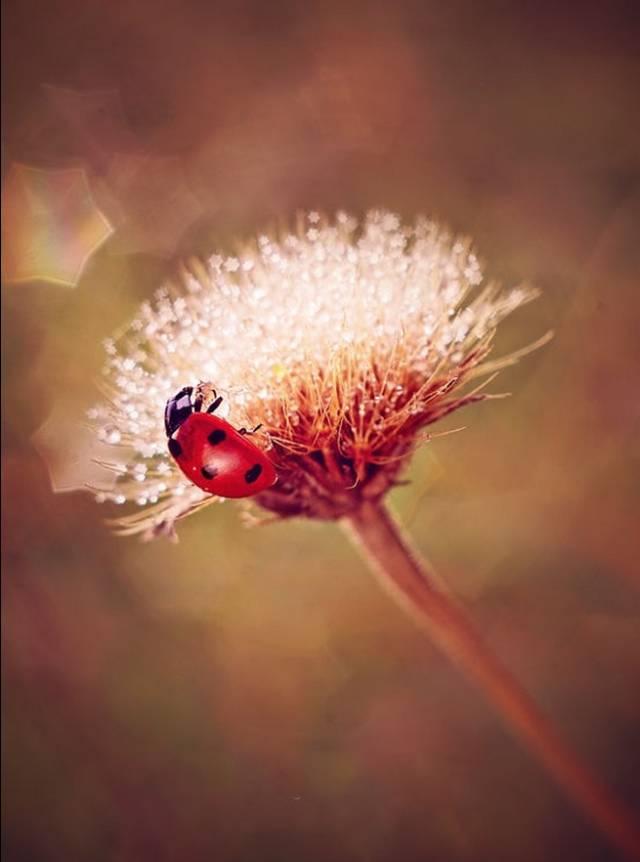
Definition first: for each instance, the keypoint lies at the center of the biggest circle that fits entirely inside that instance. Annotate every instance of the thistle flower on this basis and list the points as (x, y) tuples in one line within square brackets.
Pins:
[(342, 340)]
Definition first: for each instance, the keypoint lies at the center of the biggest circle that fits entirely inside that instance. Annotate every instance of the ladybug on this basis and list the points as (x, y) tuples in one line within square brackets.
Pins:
[(209, 451)]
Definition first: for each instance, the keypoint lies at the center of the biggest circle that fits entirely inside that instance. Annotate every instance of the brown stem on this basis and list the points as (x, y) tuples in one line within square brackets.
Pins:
[(402, 574)]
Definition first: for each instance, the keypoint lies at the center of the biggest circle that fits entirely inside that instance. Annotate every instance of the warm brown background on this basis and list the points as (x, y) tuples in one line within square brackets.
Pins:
[(250, 695)]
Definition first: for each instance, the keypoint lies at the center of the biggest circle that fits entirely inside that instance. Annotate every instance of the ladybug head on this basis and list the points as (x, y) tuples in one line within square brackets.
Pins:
[(177, 410)]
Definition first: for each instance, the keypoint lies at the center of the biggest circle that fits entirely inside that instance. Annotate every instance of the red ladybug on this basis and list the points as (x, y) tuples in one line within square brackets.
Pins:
[(209, 451)]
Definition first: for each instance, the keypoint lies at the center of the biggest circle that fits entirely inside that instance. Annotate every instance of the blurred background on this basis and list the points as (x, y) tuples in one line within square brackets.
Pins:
[(249, 694)]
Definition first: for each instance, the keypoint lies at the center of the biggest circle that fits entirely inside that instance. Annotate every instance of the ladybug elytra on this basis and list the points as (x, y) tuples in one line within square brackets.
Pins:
[(210, 452)]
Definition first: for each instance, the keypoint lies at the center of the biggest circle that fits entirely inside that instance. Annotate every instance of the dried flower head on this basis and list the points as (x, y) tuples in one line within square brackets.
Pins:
[(344, 340)]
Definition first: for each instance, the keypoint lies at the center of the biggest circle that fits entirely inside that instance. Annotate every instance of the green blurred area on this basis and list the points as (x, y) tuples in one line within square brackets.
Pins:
[(248, 694)]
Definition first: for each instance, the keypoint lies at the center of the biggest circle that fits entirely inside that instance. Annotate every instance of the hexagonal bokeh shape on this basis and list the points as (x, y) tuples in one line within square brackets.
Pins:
[(51, 225)]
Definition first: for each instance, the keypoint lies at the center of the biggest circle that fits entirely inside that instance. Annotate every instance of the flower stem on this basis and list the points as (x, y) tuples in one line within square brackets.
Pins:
[(402, 574)]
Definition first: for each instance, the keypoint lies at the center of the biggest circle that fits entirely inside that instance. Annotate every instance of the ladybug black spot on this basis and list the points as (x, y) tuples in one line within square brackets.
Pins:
[(175, 448), (209, 472), (252, 473), (217, 436)]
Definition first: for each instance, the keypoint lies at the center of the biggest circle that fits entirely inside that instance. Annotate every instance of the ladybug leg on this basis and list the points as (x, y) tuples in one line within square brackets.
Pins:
[(198, 401), (214, 406), (253, 430), (205, 391)]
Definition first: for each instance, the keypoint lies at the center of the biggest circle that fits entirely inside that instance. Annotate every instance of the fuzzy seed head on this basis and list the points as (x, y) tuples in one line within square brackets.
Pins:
[(343, 339)]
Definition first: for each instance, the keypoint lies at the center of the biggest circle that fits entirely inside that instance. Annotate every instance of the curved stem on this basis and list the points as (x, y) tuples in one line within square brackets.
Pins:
[(403, 575)]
